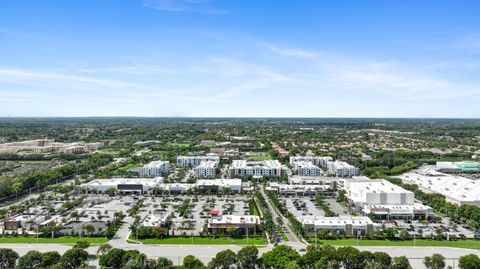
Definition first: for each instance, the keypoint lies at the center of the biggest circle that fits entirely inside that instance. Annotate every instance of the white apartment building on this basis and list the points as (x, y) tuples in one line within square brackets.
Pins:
[(155, 169), (49, 145), (304, 168), (384, 199), (266, 168), (342, 169), (192, 161), (320, 161), (206, 169)]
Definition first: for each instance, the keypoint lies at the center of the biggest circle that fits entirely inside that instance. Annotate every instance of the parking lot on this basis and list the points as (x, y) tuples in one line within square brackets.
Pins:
[(302, 206), (430, 228), (189, 214)]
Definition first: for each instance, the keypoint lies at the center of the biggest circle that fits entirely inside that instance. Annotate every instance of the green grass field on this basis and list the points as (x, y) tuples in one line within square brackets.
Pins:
[(284, 236), (59, 240), (260, 157), (471, 244), (128, 166), (254, 210), (205, 241)]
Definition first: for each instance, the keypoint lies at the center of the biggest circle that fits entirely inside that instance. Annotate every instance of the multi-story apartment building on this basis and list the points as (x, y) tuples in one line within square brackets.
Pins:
[(155, 169), (316, 160), (192, 161), (304, 168), (266, 168), (342, 169), (206, 169)]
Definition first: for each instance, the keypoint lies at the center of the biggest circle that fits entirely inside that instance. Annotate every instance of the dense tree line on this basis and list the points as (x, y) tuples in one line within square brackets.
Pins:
[(295, 223), (267, 224), (40, 179), (280, 257)]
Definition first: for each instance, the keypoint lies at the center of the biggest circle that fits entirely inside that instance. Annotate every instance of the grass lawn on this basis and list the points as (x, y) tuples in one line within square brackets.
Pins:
[(34, 161), (253, 209), (206, 241), (261, 157), (59, 240), (284, 236), (128, 166), (178, 146), (472, 244)]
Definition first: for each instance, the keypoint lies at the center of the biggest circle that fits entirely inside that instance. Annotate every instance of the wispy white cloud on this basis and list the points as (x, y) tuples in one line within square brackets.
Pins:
[(401, 80), (133, 70), (288, 51), (193, 6), (400, 83), (59, 79)]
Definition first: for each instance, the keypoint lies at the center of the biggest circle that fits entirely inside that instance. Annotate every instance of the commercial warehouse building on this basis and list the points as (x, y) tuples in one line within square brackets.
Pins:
[(222, 224), (457, 190), (257, 169), (383, 199), (156, 220), (216, 185), (458, 167), (333, 182), (124, 185), (342, 225), (146, 185), (299, 190)]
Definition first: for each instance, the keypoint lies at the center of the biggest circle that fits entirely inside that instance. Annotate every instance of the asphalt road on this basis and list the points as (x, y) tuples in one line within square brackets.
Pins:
[(292, 238), (206, 252)]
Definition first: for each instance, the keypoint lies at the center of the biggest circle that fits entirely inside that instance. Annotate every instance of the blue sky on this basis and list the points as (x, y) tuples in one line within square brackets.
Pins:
[(226, 58)]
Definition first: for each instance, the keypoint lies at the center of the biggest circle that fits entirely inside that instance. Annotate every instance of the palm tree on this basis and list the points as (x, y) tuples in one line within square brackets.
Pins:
[(104, 248)]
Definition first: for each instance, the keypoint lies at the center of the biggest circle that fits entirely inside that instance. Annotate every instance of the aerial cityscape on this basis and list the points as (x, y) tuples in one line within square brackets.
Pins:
[(176, 134)]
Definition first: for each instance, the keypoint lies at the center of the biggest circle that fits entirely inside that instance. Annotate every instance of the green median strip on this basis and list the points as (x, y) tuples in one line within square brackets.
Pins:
[(59, 240), (205, 241), (470, 244)]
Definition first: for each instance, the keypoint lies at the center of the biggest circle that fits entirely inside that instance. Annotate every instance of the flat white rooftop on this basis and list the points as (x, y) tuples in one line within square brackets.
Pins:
[(336, 221), (234, 219), (219, 182), (457, 188), (207, 164), (342, 165), (266, 163), (155, 220), (358, 187), (149, 182), (156, 164), (306, 165)]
